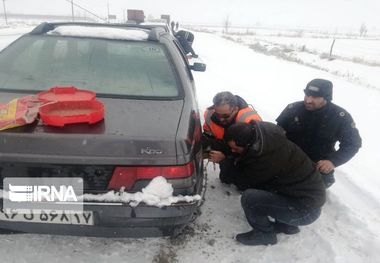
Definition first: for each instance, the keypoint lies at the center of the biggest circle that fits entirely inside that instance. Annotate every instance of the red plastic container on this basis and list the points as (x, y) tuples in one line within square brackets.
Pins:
[(70, 93), (61, 113)]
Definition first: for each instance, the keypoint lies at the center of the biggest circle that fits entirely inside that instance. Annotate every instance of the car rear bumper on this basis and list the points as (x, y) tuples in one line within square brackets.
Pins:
[(118, 220)]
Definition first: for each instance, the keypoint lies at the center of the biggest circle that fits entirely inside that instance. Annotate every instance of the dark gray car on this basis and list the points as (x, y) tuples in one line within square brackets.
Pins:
[(151, 123)]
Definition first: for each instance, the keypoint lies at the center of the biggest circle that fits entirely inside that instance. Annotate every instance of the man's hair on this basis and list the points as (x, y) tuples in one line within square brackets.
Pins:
[(225, 97), (243, 134)]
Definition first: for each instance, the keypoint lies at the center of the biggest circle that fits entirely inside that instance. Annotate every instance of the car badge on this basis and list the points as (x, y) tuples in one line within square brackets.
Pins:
[(150, 151)]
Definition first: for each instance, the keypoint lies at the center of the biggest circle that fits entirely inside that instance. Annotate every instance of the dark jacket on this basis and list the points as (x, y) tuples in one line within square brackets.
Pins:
[(316, 132), (275, 164), (186, 39)]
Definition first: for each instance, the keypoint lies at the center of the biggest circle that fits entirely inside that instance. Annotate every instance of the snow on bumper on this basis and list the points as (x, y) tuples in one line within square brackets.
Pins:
[(158, 193), (152, 212)]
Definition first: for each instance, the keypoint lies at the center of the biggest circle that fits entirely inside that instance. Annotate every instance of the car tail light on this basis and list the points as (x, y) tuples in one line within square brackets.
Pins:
[(126, 176)]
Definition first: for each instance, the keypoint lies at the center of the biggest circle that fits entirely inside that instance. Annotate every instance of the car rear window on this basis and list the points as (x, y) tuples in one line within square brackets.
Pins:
[(115, 67)]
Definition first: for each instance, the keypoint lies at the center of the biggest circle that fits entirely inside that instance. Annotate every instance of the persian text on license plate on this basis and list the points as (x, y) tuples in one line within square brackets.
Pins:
[(52, 216)]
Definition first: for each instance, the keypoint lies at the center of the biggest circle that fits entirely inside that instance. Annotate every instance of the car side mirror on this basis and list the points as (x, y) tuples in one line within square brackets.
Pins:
[(198, 67)]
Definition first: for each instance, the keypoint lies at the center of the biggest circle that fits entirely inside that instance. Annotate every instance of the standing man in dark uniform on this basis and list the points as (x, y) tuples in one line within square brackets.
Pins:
[(186, 39), (316, 124)]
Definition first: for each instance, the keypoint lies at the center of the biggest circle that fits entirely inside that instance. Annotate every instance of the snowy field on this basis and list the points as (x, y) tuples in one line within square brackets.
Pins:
[(346, 232), (348, 45), (354, 58), (358, 48)]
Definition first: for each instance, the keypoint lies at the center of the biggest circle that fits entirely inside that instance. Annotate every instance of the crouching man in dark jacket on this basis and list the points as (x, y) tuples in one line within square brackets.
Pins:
[(283, 188)]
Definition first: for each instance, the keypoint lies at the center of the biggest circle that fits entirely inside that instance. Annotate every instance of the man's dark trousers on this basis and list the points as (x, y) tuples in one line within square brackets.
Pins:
[(259, 204)]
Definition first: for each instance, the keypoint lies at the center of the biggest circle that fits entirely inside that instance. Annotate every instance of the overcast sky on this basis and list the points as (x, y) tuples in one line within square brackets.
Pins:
[(323, 14)]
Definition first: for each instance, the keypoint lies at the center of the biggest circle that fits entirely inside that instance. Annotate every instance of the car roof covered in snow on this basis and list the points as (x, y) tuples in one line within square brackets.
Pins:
[(99, 30)]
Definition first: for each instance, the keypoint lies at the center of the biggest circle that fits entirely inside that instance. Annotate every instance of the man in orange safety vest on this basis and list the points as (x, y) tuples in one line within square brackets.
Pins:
[(226, 110)]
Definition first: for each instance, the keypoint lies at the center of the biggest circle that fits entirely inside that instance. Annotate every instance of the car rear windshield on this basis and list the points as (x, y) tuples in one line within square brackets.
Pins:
[(112, 67)]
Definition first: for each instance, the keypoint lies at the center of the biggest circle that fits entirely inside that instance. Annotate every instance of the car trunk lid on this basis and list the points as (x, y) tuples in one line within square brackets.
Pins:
[(134, 132)]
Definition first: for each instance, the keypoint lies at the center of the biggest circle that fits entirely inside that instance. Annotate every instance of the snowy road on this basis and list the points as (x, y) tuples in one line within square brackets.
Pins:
[(347, 230)]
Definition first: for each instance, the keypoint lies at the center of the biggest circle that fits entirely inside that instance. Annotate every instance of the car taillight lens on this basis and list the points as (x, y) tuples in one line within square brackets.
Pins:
[(128, 175)]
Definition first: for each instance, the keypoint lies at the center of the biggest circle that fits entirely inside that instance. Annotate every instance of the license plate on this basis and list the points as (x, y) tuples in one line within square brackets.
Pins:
[(51, 217)]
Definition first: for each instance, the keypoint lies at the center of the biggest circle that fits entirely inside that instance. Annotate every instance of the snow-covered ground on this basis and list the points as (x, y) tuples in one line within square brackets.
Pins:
[(355, 58), (348, 229)]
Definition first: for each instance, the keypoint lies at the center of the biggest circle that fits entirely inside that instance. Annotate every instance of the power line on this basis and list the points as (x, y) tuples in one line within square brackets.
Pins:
[(84, 9)]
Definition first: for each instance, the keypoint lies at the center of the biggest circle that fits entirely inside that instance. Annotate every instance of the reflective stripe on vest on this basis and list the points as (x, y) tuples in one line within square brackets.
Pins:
[(247, 114), (244, 115)]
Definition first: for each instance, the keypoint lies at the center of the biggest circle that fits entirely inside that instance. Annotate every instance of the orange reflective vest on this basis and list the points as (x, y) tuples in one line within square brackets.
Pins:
[(244, 115)]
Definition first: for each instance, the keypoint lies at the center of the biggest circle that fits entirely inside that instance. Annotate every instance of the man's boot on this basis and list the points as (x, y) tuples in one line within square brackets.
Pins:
[(285, 228), (256, 238)]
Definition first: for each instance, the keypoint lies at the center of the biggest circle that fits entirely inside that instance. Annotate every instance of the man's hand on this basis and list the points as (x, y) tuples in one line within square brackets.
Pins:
[(325, 166), (216, 156)]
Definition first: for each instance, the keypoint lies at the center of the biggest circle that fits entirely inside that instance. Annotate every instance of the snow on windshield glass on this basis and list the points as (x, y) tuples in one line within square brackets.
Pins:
[(100, 32)]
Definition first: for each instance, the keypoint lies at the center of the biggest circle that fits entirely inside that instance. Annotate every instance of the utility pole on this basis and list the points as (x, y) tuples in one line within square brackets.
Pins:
[(108, 12), (5, 13), (72, 10)]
